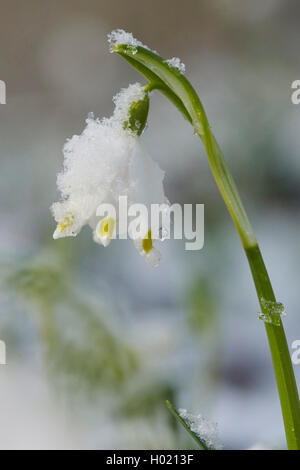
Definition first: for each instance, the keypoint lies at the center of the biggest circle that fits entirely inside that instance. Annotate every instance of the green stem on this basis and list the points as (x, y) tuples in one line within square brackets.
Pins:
[(285, 377), (178, 89), (283, 367)]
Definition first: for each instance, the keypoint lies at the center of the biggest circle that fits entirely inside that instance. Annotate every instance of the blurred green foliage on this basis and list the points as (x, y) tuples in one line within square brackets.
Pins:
[(201, 305), (93, 355)]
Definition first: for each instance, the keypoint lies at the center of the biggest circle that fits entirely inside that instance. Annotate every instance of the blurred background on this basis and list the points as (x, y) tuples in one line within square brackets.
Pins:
[(96, 340)]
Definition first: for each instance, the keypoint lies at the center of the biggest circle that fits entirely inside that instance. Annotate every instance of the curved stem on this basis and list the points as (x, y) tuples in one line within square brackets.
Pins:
[(285, 377), (286, 383), (177, 88), (283, 368)]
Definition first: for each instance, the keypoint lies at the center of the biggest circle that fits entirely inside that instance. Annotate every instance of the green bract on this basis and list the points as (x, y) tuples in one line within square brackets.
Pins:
[(138, 115)]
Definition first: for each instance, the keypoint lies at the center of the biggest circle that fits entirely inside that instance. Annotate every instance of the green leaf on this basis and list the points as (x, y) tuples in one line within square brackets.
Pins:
[(161, 76), (201, 441)]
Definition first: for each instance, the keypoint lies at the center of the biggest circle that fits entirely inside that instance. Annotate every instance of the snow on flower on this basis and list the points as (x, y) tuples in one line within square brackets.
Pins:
[(102, 164)]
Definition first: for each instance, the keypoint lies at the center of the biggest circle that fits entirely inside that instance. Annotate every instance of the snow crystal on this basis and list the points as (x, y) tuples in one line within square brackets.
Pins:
[(82, 165), (119, 36), (205, 429), (176, 63), (124, 99), (273, 311)]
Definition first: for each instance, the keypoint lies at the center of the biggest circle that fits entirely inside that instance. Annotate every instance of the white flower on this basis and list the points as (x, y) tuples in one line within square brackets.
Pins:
[(145, 247), (103, 163)]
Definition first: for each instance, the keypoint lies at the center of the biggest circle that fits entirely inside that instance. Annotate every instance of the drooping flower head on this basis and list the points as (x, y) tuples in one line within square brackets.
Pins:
[(108, 161)]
